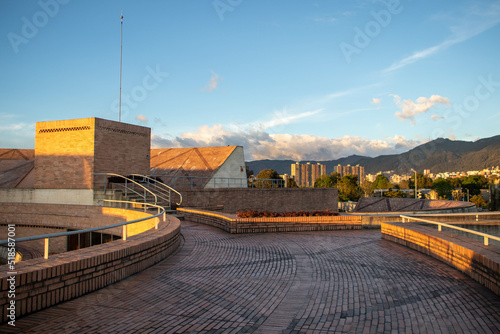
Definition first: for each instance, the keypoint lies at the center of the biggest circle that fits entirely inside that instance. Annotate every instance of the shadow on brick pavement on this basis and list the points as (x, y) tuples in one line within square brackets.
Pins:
[(314, 282)]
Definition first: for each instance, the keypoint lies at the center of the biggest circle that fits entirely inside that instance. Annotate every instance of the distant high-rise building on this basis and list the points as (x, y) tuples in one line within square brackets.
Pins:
[(296, 173), (355, 170), (338, 169), (351, 170), (361, 175), (306, 174), (346, 170)]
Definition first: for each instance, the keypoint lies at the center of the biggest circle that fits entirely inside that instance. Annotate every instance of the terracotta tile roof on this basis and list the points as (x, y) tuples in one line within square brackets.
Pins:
[(197, 161), (16, 168), (16, 173), (16, 154)]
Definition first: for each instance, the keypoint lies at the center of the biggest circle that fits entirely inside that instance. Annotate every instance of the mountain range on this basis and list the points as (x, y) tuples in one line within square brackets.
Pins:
[(439, 155)]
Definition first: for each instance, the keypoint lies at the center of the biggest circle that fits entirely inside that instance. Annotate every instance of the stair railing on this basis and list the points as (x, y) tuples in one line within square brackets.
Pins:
[(161, 188), (127, 188)]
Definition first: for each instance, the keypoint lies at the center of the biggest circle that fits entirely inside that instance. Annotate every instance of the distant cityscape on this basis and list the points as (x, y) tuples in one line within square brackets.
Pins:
[(305, 174), (397, 179)]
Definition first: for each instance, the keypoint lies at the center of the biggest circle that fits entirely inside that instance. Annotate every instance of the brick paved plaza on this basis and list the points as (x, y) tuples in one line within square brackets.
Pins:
[(315, 282)]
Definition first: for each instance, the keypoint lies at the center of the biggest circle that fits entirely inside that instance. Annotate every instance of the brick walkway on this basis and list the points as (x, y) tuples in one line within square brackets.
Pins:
[(316, 282)]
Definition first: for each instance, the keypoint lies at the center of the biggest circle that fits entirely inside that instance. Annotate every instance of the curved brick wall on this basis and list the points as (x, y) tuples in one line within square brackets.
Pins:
[(231, 224), (37, 219), (467, 255), (42, 283), (377, 204)]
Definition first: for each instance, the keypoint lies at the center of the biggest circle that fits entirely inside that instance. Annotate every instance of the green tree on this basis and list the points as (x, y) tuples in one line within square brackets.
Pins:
[(423, 181), (367, 188), (405, 184), (349, 189), (268, 175), (327, 181), (291, 183), (382, 182), (456, 182), (474, 184), (479, 201), (443, 188), (394, 194)]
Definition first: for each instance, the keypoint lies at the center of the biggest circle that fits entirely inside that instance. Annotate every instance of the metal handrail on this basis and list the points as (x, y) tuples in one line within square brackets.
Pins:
[(137, 183), (161, 211), (439, 224), (159, 185), (218, 181)]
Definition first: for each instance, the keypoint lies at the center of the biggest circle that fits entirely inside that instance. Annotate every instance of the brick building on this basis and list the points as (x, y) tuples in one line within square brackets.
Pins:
[(69, 152)]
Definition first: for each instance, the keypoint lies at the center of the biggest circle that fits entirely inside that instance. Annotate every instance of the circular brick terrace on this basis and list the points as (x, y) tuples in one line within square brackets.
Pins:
[(312, 282)]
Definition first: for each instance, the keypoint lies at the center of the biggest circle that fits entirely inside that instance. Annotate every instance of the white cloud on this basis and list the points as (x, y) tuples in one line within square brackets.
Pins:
[(324, 19), (375, 101), (475, 21), (436, 117), (141, 118), (410, 109), (284, 117), (259, 144), (16, 127), (17, 135), (212, 83)]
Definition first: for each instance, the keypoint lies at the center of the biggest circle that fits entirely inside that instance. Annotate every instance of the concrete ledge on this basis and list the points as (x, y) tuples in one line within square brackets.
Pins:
[(231, 224), (42, 283), (480, 262), (48, 196)]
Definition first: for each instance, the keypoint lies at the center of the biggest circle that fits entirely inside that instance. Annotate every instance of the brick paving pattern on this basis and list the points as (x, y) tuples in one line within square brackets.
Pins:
[(314, 282)]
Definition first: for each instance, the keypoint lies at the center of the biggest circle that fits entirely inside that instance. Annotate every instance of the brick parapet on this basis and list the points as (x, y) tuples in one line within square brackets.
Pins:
[(232, 224), (480, 262), (272, 199), (42, 283)]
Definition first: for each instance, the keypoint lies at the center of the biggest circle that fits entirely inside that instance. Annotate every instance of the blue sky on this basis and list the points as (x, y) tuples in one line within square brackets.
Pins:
[(301, 80)]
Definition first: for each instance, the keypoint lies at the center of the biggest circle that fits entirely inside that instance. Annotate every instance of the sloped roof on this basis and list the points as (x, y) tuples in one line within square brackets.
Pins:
[(16, 173), (16, 168), (194, 162), (16, 154)]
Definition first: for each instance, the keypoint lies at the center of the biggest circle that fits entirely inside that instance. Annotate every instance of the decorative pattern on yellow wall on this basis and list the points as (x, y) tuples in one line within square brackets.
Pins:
[(74, 128), (127, 132)]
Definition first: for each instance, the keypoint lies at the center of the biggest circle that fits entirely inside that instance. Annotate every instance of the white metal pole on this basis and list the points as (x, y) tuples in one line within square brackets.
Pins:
[(121, 44)]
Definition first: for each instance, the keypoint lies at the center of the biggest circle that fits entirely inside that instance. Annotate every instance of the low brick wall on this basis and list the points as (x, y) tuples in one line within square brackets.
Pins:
[(480, 262), (375, 220), (41, 283), (36, 219), (272, 199), (231, 224), (384, 204)]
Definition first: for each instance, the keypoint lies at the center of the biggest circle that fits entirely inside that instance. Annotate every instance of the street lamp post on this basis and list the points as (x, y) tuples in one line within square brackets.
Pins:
[(415, 182)]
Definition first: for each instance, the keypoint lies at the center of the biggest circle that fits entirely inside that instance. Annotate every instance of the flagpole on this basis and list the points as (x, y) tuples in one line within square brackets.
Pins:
[(121, 44)]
